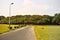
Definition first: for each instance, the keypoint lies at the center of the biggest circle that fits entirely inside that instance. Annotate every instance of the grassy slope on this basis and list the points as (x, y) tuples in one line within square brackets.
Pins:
[(47, 32), (3, 28)]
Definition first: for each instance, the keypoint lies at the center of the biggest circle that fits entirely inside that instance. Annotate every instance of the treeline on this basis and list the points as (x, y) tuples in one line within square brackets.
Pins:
[(32, 19)]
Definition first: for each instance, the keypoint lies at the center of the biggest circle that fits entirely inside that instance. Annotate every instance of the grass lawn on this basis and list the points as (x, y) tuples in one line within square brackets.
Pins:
[(4, 28), (47, 32)]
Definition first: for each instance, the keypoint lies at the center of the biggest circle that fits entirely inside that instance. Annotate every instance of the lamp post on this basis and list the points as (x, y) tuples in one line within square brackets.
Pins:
[(10, 12)]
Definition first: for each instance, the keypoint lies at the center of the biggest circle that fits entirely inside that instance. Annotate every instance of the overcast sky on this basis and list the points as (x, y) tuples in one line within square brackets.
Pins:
[(30, 7)]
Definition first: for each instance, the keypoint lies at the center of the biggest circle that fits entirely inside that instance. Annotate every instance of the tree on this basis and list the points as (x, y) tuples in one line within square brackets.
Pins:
[(56, 19), (1, 18)]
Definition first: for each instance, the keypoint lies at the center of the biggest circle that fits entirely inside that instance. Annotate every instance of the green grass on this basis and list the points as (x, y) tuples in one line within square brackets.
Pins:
[(47, 32), (3, 28)]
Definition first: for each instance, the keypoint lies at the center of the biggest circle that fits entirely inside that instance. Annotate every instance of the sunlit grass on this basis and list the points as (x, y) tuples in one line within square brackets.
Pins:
[(3, 28), (48, 32), (41, 32)]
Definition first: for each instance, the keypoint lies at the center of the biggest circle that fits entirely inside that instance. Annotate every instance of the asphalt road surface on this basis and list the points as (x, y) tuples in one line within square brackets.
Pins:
[(23, 34)]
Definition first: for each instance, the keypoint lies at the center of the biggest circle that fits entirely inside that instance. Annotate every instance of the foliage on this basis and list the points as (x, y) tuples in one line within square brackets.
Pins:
[(32, 19)]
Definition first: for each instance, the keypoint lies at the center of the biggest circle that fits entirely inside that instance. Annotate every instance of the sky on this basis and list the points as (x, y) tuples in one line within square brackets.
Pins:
[(29, 7)]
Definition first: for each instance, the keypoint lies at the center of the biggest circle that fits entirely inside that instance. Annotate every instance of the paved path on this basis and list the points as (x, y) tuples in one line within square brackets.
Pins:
[(23, 34)]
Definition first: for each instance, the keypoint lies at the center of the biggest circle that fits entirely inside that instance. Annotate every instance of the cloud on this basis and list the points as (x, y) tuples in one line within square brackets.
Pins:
[(28, 7), (27, 2)]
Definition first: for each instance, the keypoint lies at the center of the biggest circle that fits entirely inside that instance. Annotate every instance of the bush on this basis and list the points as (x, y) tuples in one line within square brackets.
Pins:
[(14, 26), (10, 27), (17, 26)]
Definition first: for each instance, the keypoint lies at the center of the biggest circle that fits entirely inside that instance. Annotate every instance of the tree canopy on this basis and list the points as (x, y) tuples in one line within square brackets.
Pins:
[(32, 19)]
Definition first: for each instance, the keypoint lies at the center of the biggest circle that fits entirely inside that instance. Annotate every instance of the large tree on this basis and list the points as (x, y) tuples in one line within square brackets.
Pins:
[(56, 19)]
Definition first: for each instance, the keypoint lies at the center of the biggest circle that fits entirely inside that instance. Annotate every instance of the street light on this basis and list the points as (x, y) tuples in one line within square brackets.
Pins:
[(10, 12)]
